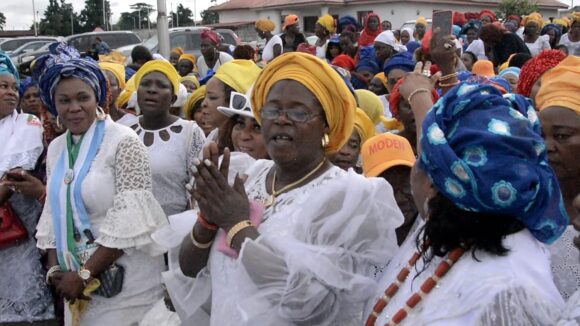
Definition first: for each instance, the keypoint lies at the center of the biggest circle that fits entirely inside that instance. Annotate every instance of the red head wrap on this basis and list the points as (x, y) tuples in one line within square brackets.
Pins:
[(210, 35), (536, 67)]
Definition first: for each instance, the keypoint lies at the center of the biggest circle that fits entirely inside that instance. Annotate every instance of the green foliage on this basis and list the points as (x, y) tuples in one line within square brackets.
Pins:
[(128, 21), (183, 16), (92, 15), (209, 17), (516, 7), (57, 19), (2, 21), (142, 10)]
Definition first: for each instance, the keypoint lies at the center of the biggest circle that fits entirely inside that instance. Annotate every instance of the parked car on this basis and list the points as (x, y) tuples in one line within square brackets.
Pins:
[(28, 47), (12, 44), (188, 38), (83, 42), (411, 24)]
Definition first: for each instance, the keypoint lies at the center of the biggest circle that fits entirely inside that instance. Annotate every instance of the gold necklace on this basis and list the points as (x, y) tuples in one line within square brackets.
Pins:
[(275, 193)]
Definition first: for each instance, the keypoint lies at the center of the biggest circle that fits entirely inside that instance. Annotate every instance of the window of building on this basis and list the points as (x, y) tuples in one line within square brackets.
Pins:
[(361, 15), (309, 23)]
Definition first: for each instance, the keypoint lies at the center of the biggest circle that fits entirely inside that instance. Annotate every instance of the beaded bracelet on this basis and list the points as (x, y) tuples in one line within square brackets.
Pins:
[(235, 230), (52, 270), (415, 92), (205, 223), (198, 244)]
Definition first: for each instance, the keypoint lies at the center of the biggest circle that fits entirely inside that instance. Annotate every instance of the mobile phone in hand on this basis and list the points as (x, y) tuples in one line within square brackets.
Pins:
[(444, 21)]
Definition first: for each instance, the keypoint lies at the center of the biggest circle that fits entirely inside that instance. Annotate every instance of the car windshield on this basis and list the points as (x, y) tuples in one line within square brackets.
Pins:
[(151, 42), (10, 45)]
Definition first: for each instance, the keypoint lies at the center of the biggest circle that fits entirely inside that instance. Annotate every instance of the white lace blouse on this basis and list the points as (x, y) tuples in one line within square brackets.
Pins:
[(314, 260), (123, 214), (171, 151), (566, 263), (516, 289)]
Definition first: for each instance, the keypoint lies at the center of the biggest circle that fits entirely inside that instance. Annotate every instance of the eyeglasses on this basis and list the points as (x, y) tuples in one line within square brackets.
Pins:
[(296, 115)]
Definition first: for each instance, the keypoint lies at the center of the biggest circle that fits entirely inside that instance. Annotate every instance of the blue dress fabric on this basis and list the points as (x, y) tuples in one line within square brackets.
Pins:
[(483, 150)]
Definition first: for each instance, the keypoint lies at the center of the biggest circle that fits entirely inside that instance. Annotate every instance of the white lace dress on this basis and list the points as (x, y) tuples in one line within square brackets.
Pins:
[(171, 150), (566, 263), (313, 262), (123, 214), (516, 289)]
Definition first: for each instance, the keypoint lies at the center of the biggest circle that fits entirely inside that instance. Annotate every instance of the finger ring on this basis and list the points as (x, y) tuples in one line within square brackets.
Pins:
[(447, 46), (427, 72)]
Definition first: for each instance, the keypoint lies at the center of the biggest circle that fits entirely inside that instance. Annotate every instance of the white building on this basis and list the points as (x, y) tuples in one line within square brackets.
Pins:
[(237, 13)]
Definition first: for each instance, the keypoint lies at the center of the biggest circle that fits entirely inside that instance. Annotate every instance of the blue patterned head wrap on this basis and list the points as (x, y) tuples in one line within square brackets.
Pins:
[(502, 82), (7, 66), (403, 61), (484, 152), (64, 61), (26, 84), (367, 60)]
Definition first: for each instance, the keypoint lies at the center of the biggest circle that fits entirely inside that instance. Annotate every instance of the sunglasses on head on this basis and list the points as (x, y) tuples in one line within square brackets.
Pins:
[(240, 102)]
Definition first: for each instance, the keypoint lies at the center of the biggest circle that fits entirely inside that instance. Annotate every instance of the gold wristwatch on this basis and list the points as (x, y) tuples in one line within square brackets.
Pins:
[(85, 274)]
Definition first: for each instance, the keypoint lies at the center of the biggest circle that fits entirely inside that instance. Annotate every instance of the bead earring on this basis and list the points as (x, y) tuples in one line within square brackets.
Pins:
[(325, 140), (58, 124), (101, 115)]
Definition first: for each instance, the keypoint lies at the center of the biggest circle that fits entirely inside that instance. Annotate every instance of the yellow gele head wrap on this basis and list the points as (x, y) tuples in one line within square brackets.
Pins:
[(319, 78), (192, 79), (177, 50), (370, 103), (117, 69), (534, 17), (238, 74), (561, 22), (161, 66), (265, 25), (328, 22), (575, 18), (363, 125), (421, 20), (561, 86), (114, 56), (123, 98), (190, 57), (383, 78), (196, 96)]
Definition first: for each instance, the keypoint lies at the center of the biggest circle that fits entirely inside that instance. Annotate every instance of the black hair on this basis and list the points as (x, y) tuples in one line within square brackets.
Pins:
[(519, 59), (562, 48), (244, 51), (472, 55), (141, 53), (449, 227)]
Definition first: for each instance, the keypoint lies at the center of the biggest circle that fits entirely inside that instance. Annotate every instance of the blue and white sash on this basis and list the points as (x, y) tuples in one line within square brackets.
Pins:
[(58, 188)]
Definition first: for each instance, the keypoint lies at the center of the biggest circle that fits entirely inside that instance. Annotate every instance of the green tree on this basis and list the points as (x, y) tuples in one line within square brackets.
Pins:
[(142, 10), (516, 7), (2, 21), (128, 21), (92, 15), (57, 19), (209, 17), (183, 16)]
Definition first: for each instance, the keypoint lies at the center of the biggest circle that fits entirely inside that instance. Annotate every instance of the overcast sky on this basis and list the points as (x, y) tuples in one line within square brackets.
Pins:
[(19, 13)]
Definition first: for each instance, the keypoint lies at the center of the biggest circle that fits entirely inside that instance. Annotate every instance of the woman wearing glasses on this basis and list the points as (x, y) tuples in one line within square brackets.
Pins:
[(297, 244)]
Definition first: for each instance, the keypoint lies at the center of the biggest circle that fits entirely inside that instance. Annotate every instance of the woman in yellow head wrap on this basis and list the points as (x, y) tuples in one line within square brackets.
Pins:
[(572, 39), (420, 28), (191, 83), (348, 156), (115, 74), (174, 56), (192, 109), (236, 75), (186, 64), (295, 214), (533, 24), (273, 46), (325, 27), (559, 104)]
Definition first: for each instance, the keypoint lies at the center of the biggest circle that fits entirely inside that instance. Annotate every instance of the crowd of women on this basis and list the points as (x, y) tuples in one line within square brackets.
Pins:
[(412, 177)]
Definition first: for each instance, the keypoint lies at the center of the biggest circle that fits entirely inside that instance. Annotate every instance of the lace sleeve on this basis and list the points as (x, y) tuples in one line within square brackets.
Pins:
[(519, 307), (45, 230), (135, 213), (196, 145)]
